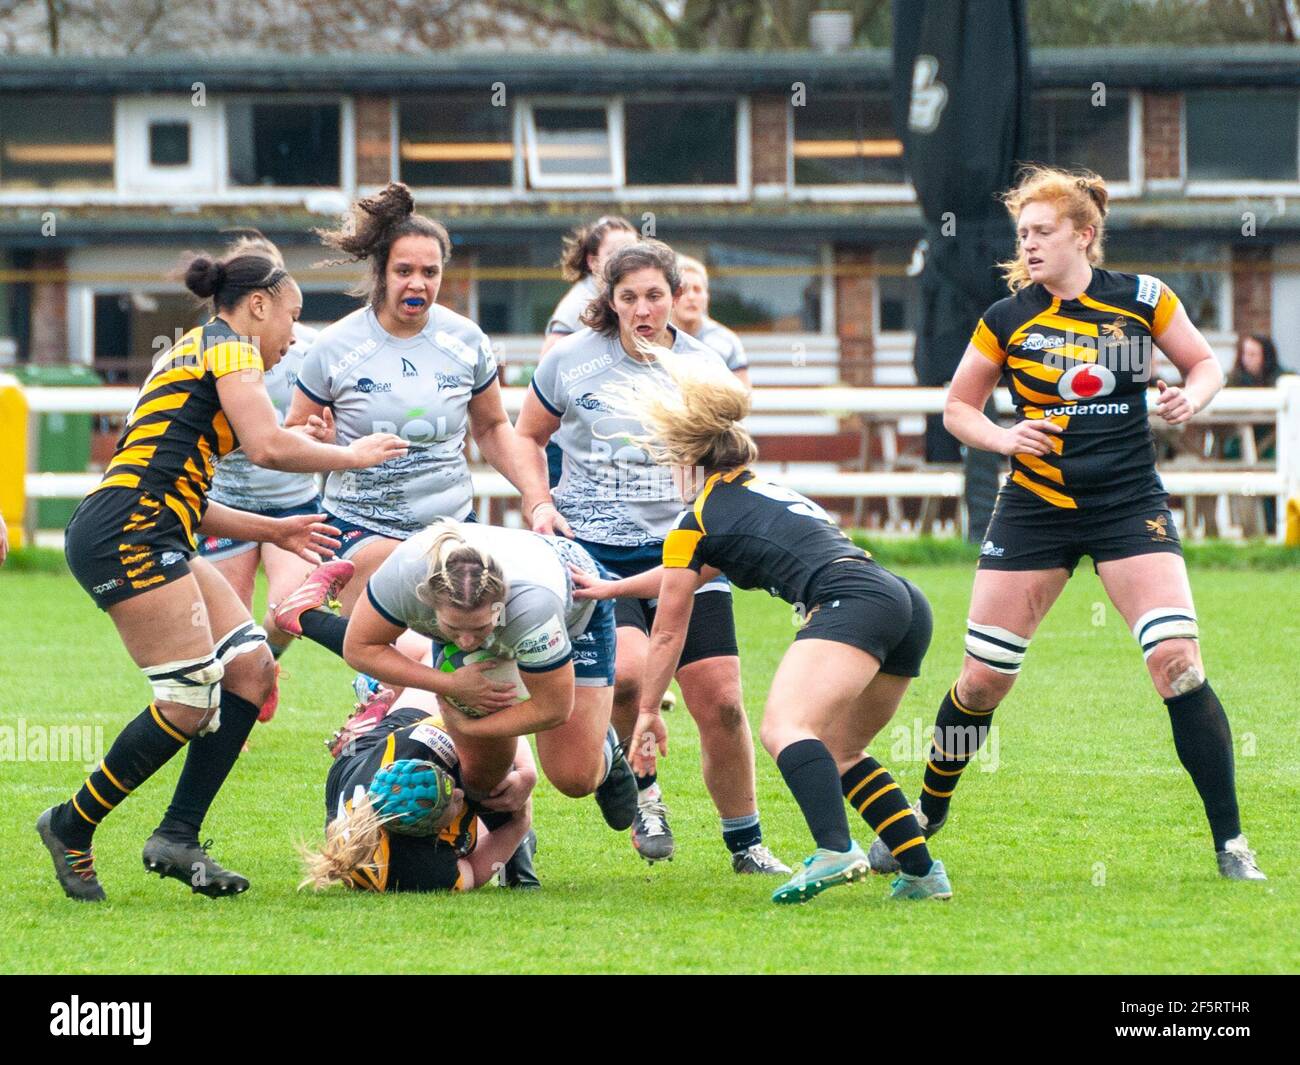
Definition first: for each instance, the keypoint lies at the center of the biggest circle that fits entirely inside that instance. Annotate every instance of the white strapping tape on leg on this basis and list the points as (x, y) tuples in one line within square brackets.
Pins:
[(1165, 623), (240, 641), (1001, 650), (192, 682)]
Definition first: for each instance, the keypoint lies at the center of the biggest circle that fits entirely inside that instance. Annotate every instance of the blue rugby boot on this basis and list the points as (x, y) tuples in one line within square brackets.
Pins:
[(934, 885), (823, 869)]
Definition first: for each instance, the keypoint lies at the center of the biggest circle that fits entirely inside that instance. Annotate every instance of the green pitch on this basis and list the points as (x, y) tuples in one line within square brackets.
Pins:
[(1076, 844)]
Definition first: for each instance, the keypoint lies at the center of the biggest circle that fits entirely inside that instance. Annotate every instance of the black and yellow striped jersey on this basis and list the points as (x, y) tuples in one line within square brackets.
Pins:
[(1085, 364), (177, 431), (760, 534), (405, 863)]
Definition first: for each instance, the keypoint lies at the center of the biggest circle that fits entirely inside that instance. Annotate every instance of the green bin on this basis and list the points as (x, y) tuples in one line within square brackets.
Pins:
[(62, 440)]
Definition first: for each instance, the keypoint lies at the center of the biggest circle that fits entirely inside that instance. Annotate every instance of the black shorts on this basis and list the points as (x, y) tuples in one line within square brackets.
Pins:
[(112, 557), (862, 604), (712, 631), (1017, 541)]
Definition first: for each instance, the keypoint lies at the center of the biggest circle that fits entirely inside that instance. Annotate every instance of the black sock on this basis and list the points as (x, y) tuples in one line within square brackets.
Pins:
[(871, 791), (494, 819), (813, 780), (207, 765), (741, 833), (1203, 740), (324, 628), (142, 748), (647, 781), (959, 733)]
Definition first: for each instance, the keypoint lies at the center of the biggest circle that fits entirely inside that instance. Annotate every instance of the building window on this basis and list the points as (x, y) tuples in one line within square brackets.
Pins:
[(73, 152), (1196, 271), (574, 146), (450, 141), (169, 144), (283, 144), (1067, 130), (672, 143), (1242, 135), (765, 289), (846, 140)]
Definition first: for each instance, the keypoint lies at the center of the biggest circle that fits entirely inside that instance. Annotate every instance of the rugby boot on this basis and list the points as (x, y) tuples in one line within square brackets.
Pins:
[(191, 864), (758, 859), (882, 861), (616, 797), (518, 872), (821, 870), (75, 869), (934, 885), (320, 589), (363, 720), (651, 836), (1237, 861)]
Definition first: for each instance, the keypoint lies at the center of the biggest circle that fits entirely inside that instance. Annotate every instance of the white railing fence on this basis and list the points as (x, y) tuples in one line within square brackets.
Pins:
[(1241, 406)]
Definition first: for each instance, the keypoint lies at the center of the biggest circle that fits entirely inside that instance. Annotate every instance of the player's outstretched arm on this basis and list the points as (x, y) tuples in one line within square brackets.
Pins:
[(248, 408)]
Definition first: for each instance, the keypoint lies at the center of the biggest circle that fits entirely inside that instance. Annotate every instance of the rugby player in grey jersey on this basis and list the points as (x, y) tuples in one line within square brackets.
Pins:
[(620, 506), (691, 313), (509, 593), (585, 252), (400, 360)]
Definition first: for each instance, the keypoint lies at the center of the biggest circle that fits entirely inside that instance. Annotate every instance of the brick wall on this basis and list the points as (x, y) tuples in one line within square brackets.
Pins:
[(49, 310), (1162, 117), (1252, 288), (853, 313), (768, 139), (374, 140)]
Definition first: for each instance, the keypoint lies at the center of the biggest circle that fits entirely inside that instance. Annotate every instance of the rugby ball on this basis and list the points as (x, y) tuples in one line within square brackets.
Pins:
[(451, 658)]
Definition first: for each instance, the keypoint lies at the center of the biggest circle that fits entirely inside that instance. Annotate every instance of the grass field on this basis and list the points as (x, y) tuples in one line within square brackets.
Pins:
[(1076, 845)]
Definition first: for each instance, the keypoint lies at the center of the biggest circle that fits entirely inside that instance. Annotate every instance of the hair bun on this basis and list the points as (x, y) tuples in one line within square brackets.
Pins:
[(391, 205), (204, 276), (1095, 187)]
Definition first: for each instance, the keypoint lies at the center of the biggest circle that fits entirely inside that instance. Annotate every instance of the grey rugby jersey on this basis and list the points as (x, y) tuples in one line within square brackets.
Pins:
[(610, 490), (567, 316), (540, 617), (237, 481), (417, 387), (722, 340)]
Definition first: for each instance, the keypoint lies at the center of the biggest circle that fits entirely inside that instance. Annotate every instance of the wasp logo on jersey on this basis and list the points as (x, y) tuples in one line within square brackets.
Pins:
[(1158, 528), (1087, 381), (1115, 329)]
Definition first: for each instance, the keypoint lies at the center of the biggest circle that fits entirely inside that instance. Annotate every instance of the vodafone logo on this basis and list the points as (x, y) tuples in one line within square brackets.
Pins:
[(1087, 381)]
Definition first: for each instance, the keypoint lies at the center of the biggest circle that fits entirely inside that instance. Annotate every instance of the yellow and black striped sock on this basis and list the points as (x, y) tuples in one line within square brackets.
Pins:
[(871, 791), (959, 733), (148, 742)]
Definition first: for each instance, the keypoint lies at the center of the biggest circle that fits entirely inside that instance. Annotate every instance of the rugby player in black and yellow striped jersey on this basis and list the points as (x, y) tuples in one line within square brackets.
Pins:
[(131, 544), (863, 634), (458, 849), (1075, 343)]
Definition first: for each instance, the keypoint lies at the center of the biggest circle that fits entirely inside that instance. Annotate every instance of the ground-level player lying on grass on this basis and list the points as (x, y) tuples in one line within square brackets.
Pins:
[(508, 593), (395, 809), (840, 682)]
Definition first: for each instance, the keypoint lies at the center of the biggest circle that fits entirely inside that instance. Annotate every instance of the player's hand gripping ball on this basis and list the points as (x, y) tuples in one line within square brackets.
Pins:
[(506, 671), (410, 796)]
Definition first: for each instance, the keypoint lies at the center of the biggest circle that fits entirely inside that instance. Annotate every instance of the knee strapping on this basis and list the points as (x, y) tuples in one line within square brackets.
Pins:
[(240, 640), (1164, 623), (192, 682), (1001, 650)]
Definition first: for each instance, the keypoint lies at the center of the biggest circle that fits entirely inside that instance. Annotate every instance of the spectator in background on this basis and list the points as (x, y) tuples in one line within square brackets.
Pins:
[(1255, 367)]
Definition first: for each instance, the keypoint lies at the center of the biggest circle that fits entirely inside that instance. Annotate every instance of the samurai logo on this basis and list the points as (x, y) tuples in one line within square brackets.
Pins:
[(928, 96)]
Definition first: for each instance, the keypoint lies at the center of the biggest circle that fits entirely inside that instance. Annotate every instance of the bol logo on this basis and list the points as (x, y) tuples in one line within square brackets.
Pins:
[(1087, 382)]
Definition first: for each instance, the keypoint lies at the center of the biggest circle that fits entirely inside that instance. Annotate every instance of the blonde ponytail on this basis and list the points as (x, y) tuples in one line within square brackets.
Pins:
[(350, 844), (695, 421)]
